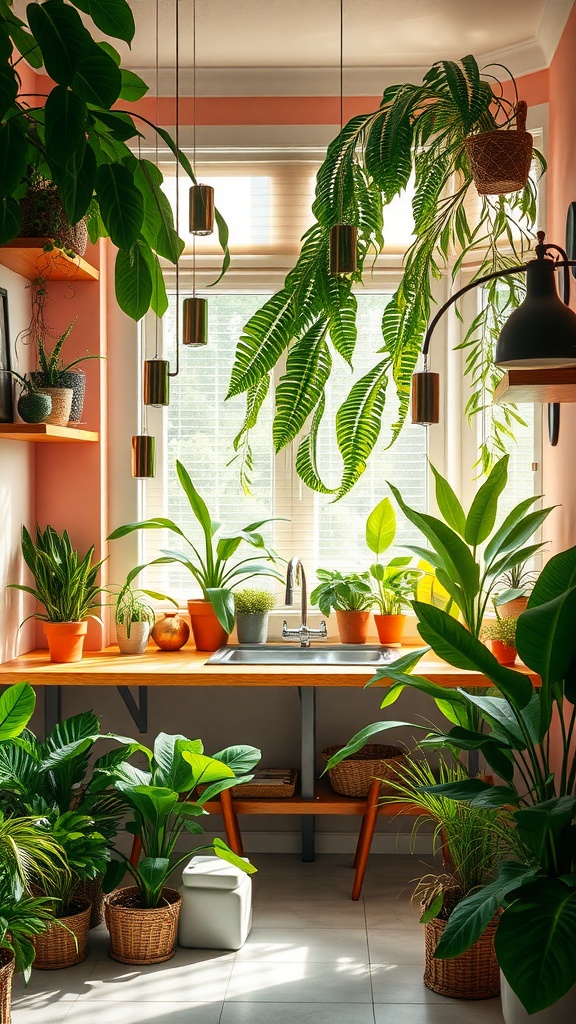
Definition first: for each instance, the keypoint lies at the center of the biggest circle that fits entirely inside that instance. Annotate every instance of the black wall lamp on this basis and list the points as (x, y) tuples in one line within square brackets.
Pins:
[(539, 334)]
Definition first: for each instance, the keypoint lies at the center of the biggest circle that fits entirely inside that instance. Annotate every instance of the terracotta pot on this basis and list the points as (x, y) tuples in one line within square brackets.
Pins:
[(505, 654), (353, 626), (562, 1012), (512, 609), (171, 632), (390, 628), (6, 974), (136, 642), (208, 634), (140, 935), (57, 947), (65, 640)]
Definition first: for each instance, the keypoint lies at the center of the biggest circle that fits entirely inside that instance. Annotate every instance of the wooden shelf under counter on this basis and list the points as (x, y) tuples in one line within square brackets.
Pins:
[(45, 432)]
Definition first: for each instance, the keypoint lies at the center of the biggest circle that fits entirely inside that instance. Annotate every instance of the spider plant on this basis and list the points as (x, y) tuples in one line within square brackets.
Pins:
[(416, 135)]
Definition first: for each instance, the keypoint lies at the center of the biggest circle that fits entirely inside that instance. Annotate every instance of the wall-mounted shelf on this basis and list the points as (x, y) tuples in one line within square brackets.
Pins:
[(554, 384), (44, 432), (26, 256)]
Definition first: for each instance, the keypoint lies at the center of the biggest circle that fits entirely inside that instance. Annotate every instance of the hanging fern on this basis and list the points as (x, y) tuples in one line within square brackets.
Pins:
[(418, 131)]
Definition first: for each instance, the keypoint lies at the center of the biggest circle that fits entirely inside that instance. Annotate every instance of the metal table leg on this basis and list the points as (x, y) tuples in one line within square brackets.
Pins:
[(52, 707), (307, 764)]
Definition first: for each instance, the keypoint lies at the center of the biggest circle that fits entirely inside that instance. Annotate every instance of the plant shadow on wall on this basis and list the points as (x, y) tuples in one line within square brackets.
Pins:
[(419, 133), (77, 141)]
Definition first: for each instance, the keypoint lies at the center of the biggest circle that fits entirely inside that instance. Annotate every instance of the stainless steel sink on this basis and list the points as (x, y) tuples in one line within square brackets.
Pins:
[(283, 654)]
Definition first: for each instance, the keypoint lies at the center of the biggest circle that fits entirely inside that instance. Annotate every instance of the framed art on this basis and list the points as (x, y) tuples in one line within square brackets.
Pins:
[(6, 408)]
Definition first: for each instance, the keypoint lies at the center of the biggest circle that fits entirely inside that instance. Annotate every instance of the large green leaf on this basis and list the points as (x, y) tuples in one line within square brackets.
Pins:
[(206, 769), (75, 181), (16, 708), (300, 388), (158, 227), (546, 638), (535, 942), (97, 78), (197, 503), (64, 41), (65, 124), (114, 17), (381, 527), (121, 204), (358, 422), (222, 601), (13, 155), (482, 515), (170, 769), (10, 219), (306, 456), (557, 576), (448, 503), (133, 280), (362, 737), (265, 337)]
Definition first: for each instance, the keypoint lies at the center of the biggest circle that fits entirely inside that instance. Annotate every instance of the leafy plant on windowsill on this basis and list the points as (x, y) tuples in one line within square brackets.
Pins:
[(419, 133), (210, 569), (395, 582), (79, 142), (342, 592), (132, 606), (517, 582)]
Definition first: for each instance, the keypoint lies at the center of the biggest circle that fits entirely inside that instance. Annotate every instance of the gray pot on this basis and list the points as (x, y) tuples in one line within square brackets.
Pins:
[(136, 642), (252, 627), (562, 1012)]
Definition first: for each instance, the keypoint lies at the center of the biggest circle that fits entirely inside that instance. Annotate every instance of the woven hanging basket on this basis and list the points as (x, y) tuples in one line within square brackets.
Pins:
[(140, 935), (355, 775), (6, 972), (91, 889), (57, 947), (43, 216), (500, 160), (472, 975)]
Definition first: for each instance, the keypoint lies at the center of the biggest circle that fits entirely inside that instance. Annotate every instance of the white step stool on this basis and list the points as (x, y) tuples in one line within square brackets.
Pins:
[(216, 908)]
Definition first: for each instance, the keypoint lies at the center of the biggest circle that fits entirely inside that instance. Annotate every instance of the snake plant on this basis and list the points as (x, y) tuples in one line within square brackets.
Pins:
[(416, 135)]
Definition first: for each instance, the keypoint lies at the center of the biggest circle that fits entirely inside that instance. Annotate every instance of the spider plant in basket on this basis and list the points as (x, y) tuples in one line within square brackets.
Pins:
[(472, 841), (143, 919)]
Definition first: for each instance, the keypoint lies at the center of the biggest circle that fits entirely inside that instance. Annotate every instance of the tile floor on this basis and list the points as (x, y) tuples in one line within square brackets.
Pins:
[(313, 957)]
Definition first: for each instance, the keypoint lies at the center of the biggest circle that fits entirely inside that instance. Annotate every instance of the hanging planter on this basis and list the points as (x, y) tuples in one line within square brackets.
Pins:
[(44, 216), (500, 159)]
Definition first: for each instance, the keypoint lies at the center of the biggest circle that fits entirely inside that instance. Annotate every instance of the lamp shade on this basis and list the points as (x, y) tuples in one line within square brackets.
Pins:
[(195, 331), (542, 330), (156, 382), (343, 245), (425, 398), (143, 456), (201, 209)]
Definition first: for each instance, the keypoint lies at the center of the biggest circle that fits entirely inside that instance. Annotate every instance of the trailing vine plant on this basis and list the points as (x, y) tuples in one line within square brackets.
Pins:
[(417, 134)]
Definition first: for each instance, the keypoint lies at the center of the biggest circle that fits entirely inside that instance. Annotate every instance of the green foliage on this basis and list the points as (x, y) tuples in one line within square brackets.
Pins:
[(210, 569), (252, 601), (21, 917), (348, 592), (501, 629), (165, 803), (395, 582), (131, 605), (51, 364), (419, 131), (79, 143), (65, 583), (17, 705)]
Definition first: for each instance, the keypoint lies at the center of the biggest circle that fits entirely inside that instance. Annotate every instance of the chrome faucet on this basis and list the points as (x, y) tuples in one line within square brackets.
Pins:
[(295, 575)]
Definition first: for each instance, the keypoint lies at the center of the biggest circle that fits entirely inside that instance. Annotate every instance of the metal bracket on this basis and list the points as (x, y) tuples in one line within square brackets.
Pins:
[(138, 710)]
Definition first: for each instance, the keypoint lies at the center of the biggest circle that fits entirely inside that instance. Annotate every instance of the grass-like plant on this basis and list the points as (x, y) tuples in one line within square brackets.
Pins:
[(52, 365), (252, 601), (132, 604), (65, 583)]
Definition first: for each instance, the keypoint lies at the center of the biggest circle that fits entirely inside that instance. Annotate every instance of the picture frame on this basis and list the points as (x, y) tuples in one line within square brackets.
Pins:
[(6, 403)]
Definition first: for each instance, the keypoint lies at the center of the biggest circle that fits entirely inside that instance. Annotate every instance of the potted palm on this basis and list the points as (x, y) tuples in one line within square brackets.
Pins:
[(252, 608), (395, 582), (211, 616), (143, 918), (66, 585), (350, 596)]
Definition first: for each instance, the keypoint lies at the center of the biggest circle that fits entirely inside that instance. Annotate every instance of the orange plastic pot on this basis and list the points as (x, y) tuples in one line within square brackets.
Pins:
[(353, 626), (505, 654), (65, 640), (390, 628), (208, 634)]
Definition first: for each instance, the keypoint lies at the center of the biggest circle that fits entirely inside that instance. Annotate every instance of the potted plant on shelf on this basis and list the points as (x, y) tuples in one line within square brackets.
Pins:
[(212, 616), (65, 385), (143, 919), (395, 582), (502, 636), (134, 615), (34, 406), (65, 585), (350, 596), (518, 583), (252, 608)]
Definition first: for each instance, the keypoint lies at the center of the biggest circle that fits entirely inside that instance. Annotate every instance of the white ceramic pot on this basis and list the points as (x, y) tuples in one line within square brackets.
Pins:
[(562, 1012), (136, 642)]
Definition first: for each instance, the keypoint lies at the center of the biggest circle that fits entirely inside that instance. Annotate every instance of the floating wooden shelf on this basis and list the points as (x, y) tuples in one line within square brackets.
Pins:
[(44, 432), (555, 384), (26, 256)]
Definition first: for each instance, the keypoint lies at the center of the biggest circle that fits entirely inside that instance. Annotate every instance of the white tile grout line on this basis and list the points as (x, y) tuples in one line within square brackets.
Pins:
[(369, 960)]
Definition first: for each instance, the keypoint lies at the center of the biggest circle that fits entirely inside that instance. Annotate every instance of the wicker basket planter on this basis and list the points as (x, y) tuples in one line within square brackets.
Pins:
[(43, 216), (500, 160), (6, 973), (139, 935), (355, 775), (91, 889), (472, 975), (64, 946)]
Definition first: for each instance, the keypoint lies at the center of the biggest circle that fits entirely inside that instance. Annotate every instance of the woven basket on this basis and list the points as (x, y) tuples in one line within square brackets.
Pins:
[(355, 775), (57, 947), (61, 404), (91, 889), (139, 935), (43, 216), (472, 975), (500, 160), (6, 972), (283, 788)]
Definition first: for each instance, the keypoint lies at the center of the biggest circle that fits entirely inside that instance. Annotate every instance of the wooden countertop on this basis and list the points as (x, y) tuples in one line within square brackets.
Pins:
[(187, 667)]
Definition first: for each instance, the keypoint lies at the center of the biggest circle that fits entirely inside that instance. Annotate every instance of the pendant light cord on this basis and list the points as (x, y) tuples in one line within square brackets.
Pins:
[(194, 134), (177, 140), (157, 76), (341, 211)]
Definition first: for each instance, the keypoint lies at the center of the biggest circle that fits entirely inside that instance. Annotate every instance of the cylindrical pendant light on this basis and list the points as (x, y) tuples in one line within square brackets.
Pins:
[(541, 332), (201, 209), (156, 386), (195, 329), (426, 398), (143, 456), (343, 247)]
